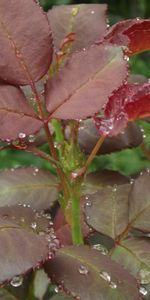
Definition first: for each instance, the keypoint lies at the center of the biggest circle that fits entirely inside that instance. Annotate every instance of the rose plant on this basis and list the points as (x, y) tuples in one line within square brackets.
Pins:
[(65, 82)]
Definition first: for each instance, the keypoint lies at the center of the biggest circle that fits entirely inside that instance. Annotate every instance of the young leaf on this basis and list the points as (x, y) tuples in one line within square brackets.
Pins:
[(29, 186), (107, 210), (135, 34), (134, 255), (25, 42), (139, 210), (87, 21), (129, 103), (86, 78), (90, 275), (89, 136), (20, 251)]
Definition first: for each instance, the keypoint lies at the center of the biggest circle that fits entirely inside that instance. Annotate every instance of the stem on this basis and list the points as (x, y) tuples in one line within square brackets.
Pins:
[(145, 151), (37, 152), (77, 237), (94, 151)]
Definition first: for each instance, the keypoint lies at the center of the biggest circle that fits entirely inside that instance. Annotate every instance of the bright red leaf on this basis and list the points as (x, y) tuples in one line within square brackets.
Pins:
[(135, 34), (130, 102)]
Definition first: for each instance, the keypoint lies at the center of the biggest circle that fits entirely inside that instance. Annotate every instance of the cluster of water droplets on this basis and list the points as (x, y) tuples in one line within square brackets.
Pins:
[(22, 141), (101, 248)]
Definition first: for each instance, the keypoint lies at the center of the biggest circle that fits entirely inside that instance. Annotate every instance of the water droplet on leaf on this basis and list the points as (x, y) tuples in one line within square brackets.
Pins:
[(83, 270), (100, 248), (31, 138), (143, 291), (33, 225), (21, 135), (16, 281), (113, 285), (92, 12), (104, 275)]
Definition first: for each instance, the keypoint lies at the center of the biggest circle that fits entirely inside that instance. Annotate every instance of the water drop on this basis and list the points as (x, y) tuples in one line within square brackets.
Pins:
[(104, 275), (88, 203), (56, 289), (21, 135), (126, 57), (144, 276), (113, 285), (143, 291), (131, 180), (83, 270), (84, 49), (31, 138), (114, 188), (74, 175), (33, 225), (92, 12), (16, 281), (36, 170), (100, 248), (138, 19)]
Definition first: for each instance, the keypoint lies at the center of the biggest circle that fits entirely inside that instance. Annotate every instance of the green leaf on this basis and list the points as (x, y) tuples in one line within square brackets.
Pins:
[(90, 275)]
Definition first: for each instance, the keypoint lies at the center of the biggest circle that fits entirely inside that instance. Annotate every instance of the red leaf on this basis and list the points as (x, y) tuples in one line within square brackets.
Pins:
[(135, 34), (16, 116), (25, 42), (83, 86), (130, 102)]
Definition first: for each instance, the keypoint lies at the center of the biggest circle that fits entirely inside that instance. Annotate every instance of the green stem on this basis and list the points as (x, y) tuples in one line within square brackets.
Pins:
[(76, 231)]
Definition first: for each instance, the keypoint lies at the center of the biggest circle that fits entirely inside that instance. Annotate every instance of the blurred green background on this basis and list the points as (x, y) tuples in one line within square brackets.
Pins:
[(128, 161)]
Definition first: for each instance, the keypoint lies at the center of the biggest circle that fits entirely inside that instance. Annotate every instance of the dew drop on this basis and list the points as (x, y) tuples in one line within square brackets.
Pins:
[(113, 285), (131, 180), (114, 188), (31, 138), (126, 57), (104, 275), (33, 225), (17, 281), (56, 289), (88, 203), (84, 49), (83, 270), (35, 171), (21, 135), (100, 248), (92, 12), (143, 290), (138, 19)]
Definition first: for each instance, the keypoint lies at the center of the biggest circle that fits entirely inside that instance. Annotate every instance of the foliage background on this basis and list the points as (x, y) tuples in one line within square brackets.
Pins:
[(128, 161)]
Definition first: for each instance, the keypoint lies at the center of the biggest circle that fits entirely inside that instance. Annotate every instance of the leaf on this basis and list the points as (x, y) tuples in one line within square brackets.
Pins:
[(107, 210), (25, 54), (29, 186), (88, 21), (135, 34), (129, 103), (5, 295), (139, 197), (134, 255), (90, 275), (85, 79), (96, 181), (16, 116), (89, 136), (62, 296), (20, 250)]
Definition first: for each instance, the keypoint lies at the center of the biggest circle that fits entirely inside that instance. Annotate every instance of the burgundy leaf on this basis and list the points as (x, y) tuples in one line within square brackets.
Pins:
[(83, 86), (135, 34), (88, 274), (130, 102), (28, 186), (87, 21), (89, 135), (25, 42), (16, 116), (20, 251)]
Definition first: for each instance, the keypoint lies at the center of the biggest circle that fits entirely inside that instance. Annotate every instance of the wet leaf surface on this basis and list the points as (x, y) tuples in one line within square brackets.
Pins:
[(96, 181), (90, 275), (134, 255), (5, 295), (16, 116), (89, 135), (89, 18), (129, 103), (107, 210), (25, 54), (86, 78), (128, 33), (20, 251), (28, 186), (140, 203)]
